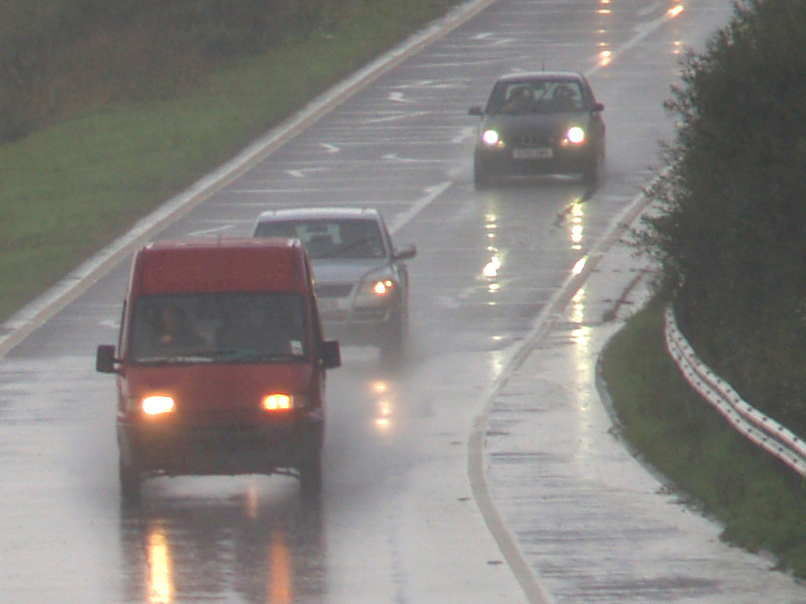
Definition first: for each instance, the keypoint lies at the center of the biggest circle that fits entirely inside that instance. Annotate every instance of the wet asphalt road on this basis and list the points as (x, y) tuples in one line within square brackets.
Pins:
[(397, 521)]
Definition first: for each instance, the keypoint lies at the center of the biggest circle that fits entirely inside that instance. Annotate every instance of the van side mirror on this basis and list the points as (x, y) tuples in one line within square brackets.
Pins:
[(105, 359), (330, 354), (475, 111)]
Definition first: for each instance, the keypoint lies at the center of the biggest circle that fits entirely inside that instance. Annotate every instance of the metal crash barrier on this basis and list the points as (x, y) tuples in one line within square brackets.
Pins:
[(747, 420)]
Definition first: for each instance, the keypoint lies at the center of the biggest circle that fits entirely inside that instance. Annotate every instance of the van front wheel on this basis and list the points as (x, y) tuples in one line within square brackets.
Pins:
[(130, 482), (310, 474)]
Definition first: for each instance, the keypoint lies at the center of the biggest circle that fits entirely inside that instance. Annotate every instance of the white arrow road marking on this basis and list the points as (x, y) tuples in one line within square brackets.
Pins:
[(398, 97)]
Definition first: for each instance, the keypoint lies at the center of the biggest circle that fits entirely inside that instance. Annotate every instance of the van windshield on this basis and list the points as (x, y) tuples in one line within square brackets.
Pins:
[(220, 327)]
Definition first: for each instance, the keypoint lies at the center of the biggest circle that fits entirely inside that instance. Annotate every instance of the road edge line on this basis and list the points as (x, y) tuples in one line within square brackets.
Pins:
[(527, 577)]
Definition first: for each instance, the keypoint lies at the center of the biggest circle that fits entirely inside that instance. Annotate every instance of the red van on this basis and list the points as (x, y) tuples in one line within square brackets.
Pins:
[(220, 362)]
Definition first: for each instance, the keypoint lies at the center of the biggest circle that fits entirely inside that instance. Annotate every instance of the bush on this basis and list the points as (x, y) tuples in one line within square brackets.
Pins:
[(732, 233)]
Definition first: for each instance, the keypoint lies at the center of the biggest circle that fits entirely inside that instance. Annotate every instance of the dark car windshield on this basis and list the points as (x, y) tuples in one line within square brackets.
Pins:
[(336, 238), (234, 327), (536, 96)]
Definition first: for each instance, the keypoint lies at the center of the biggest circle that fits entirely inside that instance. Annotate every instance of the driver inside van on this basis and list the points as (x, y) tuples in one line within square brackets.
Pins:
[(173, 330)]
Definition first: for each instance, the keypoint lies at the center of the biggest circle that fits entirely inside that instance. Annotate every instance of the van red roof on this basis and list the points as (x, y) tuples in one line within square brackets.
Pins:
[(219, 265)]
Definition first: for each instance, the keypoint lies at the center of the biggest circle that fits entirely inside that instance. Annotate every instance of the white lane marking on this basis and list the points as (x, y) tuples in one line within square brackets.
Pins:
[(431, 194), (465, 133), (211, 231), (394, 118), (330, 148), (394, 157)]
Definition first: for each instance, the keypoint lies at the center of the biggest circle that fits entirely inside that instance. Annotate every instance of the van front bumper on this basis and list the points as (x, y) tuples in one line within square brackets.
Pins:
[(174, 449)]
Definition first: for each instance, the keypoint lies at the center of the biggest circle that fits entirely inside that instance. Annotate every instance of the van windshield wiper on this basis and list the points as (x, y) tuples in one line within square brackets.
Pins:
[(247, 355), (177, 358)]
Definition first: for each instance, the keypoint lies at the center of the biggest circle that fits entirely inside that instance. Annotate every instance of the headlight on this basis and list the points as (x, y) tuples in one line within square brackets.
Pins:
[(491, 138), (277, 402), (575, 135), (377, 287), (157, 405)]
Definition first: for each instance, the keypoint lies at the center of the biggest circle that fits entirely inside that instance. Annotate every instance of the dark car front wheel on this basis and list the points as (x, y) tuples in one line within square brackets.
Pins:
[(590, 172), (481, 175)]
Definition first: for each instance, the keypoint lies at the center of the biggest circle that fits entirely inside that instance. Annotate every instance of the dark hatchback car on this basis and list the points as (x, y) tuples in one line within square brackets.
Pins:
[(539, 123)]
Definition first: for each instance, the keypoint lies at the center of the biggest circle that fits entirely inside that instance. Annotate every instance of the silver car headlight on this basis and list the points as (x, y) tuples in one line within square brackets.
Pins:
[(377, 288)]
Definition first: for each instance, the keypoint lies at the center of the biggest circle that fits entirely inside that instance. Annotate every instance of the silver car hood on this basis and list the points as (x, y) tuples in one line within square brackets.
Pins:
[(346, 270)]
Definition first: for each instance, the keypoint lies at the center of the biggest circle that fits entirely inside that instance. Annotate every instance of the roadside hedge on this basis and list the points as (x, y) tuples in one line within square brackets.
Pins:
[(732, 231)]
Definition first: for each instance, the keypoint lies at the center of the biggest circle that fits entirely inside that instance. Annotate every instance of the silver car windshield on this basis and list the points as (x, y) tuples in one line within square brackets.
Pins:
[(224, 327), (337, 238)]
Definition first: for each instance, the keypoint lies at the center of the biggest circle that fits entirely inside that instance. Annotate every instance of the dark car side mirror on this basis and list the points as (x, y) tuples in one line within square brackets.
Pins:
[(405, 252), (105, 359), (475, 111), (598, 107), (330, 354)]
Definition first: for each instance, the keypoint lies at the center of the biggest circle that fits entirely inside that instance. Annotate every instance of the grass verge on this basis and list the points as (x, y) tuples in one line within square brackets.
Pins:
[(69, 190), (758, 500)]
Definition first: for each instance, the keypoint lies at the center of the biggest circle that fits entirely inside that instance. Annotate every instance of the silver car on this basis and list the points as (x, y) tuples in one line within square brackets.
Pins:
[(362, 282)]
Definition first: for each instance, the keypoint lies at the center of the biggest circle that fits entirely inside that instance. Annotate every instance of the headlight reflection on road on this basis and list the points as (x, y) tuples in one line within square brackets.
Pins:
[(280, 591), (675, 10), (384, 406), (581, 338), (605, 56), (160, 576), (490, 271), (577, 214)]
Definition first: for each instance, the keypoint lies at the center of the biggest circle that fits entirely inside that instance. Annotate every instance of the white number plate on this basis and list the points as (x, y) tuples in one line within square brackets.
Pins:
[(533, 153)]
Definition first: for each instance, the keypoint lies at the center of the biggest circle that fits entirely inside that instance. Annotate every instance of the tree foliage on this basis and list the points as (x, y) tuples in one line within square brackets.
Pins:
[(731, 234)]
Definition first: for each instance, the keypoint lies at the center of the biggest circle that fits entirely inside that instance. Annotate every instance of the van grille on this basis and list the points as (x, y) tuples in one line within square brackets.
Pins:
[(220, 417)]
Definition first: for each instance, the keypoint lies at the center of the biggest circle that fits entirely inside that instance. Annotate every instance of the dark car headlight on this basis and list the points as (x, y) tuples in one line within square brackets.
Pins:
[(575, 135), (491, 138)]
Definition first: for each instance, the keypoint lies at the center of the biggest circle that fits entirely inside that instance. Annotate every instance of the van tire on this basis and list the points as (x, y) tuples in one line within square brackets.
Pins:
[(130, 482), (310, 474)]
